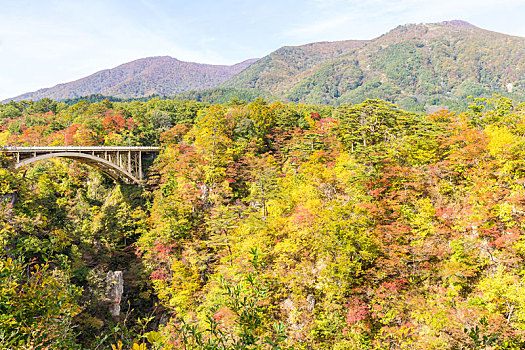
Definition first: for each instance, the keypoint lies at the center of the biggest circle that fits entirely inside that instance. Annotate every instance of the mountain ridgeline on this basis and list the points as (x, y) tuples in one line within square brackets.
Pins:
[(141, 78), (421, 67), (416, 66)]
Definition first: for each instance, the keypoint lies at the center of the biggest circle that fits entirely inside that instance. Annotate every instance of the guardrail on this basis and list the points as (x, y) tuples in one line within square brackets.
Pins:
[(78, 148)]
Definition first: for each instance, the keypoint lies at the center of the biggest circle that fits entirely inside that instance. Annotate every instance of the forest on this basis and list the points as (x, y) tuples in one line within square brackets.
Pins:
[(266, 225)]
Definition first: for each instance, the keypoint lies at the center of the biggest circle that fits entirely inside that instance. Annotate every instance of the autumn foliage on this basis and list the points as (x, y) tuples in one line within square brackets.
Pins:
[(281, 226)]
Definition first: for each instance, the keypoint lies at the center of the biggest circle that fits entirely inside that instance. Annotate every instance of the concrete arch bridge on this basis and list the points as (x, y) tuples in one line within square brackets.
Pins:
[(120, 162)]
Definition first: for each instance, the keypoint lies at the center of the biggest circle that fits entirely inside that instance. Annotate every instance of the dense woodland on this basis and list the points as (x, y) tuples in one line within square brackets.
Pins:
[(267, 226)]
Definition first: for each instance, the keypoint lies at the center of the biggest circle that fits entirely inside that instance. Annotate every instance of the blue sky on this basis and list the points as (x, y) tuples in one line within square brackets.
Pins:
[(46, 42)]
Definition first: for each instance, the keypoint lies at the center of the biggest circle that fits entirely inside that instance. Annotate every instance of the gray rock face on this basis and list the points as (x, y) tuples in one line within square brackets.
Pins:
[(310, 300), (115, 288)]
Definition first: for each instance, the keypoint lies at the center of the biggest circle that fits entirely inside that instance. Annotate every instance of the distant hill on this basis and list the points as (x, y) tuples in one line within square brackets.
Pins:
[(289, 65), (210, 96), (225, 95), (141, 78), (416, 65)]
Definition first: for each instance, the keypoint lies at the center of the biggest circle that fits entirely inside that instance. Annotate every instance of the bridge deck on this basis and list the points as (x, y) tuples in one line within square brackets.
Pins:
[(80, 148)]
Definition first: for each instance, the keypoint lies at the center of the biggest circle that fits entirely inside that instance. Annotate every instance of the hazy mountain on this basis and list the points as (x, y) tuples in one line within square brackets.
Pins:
[(153, 75), (416, 65)]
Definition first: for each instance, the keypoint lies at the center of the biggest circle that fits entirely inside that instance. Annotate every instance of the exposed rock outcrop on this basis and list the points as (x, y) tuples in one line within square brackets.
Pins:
[(115, 288)]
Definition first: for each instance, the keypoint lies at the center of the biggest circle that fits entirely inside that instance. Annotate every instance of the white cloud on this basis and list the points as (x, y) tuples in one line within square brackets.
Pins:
[(339, 19), (320, 27)]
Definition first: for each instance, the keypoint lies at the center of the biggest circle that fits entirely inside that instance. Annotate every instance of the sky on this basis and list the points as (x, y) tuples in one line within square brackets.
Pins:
[(47, 42)]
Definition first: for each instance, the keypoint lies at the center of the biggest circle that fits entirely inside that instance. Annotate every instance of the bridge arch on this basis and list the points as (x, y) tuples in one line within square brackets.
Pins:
[(107, 167)]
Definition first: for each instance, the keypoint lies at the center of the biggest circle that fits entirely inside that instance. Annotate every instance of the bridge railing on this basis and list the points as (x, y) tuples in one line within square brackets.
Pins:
[(78, 148)]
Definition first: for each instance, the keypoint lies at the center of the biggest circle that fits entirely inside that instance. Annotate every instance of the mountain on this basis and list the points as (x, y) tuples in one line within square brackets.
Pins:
[(144, 77), (286, 67), (416, 65)]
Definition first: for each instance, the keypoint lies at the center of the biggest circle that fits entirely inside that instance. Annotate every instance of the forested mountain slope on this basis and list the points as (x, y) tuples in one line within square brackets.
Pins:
[(267, 226), (286, 67), (416, 66), (144, 77)]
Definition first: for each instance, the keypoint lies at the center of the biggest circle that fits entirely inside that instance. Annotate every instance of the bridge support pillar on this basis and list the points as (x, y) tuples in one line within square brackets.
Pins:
[(140, 166), (129, 161)]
